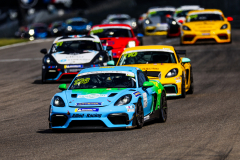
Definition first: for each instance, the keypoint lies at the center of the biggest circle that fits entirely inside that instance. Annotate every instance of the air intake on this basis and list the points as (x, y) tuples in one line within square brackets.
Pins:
[(112, 95)]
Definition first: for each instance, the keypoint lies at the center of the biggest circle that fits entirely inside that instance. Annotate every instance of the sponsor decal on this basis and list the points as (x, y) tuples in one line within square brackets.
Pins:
[(108, 89), (92, 96), (146, 118), (108, 100), (81, 81), (137, 94), (52, 66), (178, 81), (130, 110), (144, 100), (63, 60), (150, 68), (94, 115), (87, 110), (129, 107), (77, 115), (133, 54), (155, 83), (159, 91), (73, 66), (130, 74), (89, 104), (94, 65)]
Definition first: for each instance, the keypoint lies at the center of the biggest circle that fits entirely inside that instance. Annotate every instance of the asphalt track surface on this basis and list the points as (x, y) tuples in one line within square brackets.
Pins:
[(204, 125)]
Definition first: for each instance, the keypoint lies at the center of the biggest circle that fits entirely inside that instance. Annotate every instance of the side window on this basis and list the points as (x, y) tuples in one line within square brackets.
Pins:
[(141, 78)]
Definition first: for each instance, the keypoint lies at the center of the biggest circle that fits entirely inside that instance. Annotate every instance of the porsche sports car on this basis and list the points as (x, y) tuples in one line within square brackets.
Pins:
[(121, 19), (77, 26), (162, 63), (118, 36), (156, 21), (70, 54), (57, 28), (205, 26), (175, 22), (108, 97)]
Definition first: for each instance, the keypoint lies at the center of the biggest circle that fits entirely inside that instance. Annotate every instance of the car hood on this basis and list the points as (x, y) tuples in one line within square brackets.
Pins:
[(205, 25), (79, 27), (79, 58), (117, 42), (94, 97)]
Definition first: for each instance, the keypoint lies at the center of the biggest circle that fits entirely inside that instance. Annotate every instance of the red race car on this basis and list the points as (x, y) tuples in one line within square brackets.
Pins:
[(118, 36)]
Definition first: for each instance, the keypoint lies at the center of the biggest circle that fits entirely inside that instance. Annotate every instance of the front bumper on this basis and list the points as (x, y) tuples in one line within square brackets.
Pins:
[(105, 117), (220, 36), (156, 30), (57, 72)]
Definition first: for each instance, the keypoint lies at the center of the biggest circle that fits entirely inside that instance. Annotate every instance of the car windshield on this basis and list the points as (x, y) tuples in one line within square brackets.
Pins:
[(104, 80), (146, 57), (111, 32), (119, 19), (76, 23), (204, 17), (75, 46), (160, 13), (181, 13), (39, 28)]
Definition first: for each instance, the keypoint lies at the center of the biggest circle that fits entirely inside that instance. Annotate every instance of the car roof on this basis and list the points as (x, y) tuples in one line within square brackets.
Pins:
[(216, 11), (77, 19), (118, 15), (188, 7), (93, 38), (162, 9), (110, 68), (150, 47), (113, 26)]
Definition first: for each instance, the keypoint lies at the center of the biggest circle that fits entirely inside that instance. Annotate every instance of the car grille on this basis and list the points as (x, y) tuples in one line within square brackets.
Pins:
[(58, 120), (171, 88), (87, 124)]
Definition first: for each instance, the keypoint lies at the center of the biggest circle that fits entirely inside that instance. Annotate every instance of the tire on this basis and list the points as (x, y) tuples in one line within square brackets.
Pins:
[(43, 80), (183, 90), (163, 108), (191, 89), (139, 114)]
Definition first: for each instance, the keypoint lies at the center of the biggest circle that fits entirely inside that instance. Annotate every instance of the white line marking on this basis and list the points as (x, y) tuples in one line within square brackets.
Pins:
[(25, 43), (168, 41), (23, 59)]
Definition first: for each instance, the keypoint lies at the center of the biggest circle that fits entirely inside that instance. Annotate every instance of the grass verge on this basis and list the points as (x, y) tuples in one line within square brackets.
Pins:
[(8, 41)]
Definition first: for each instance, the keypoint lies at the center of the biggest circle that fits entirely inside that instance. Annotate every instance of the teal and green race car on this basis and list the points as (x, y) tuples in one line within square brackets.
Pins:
[(108, 97)]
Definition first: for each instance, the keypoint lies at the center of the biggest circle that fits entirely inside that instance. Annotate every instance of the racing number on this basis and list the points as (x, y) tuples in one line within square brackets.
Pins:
[(81, 81)]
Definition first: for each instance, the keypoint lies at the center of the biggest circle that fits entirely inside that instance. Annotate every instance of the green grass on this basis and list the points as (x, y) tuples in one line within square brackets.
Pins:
[(8, 41)]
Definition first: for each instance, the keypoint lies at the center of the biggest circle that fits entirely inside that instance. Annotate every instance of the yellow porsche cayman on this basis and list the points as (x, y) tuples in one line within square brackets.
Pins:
[(162, 63), (208, 25)]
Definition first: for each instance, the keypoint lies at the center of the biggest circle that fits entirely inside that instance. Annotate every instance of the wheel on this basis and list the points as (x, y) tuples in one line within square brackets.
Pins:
[(43, 79), (183, 87), (191, 89), (139, 114), (163, 108)]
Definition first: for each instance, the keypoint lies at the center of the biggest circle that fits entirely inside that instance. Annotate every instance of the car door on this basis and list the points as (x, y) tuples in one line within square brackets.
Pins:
[(146, 93)]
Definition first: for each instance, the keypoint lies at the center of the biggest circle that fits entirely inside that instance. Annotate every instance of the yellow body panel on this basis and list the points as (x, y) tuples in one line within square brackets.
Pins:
[(206, 31), (164, 68)]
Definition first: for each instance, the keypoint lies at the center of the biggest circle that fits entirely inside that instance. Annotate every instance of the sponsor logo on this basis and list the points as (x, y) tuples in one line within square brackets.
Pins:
[(146, 118), (78, 115), (137, 94), (94, 115), (63, 60), (92, 96), (89, 103), (74, 66), (129, 107), (86, 110), (130, 110)]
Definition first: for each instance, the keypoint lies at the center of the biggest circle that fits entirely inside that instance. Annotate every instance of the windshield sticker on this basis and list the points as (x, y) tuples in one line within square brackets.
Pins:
[(146, 50), (137, 94), (87, 110), (193, 16), (179, 11), (81, 81), (130, 74), (97, 31), (59, 43), (133, 54), (89, 104), (92, 96), (153, 12)]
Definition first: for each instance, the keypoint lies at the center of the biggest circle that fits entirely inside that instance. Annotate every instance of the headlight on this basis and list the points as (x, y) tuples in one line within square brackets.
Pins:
[(186, 28), (131, 44), (224, 26), (31, 32), (174, 22), (172, 73), (134, 24), (58, 102), (55, 30), (47, 60), (69, 28), (147, 21), (124, 100), (100, 58), (88, 27)]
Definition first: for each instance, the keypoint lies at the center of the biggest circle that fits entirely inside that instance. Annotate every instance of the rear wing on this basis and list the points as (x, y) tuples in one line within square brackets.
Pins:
[(181, 53)]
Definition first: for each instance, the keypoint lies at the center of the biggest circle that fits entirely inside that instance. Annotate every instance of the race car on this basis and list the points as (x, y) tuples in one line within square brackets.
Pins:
[(206, 26), (121, 19), (162, 63), (108, 97), (156, 21), (77, 25), (179, 17), (70, 54), (118, 36), (57, 28)]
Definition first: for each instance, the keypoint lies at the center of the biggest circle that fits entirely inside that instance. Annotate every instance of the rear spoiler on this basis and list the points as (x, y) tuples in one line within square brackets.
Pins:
[(181, 53)]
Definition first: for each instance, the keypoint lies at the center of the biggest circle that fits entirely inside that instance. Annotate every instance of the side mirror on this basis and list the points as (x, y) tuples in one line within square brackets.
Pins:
[(230, 19), (109, 48), (44, 51), (148, 84), (140, 35), (62, 87), (111, 63), (186, 60)]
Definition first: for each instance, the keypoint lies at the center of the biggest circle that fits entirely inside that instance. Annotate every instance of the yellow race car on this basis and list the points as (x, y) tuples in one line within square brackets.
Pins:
[(162, 63), (208, 25)]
